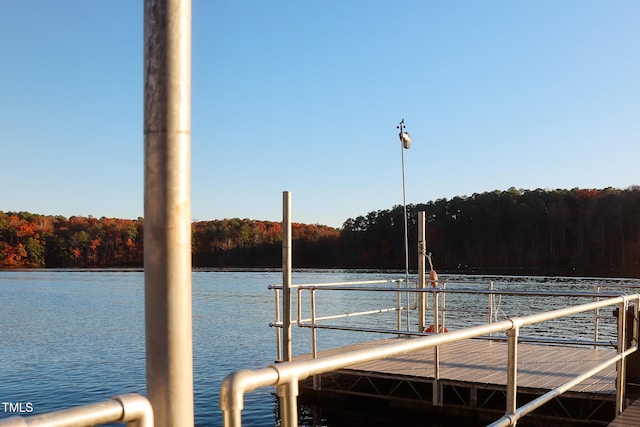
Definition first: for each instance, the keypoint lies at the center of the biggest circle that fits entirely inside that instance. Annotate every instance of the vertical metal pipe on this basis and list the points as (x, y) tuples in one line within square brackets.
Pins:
[(286, 275), (596, 320), (299, 306), (167, 210), (622, 363), (436, 309), (232, 418), (314, 336), (437, 395), (491, 301), (278, 328), (512, 372), (490, 307), (636, 309), (406, 235), (399, 312), (422, 253), (443, 308), (314, 331), (437, 399), (288, 394)]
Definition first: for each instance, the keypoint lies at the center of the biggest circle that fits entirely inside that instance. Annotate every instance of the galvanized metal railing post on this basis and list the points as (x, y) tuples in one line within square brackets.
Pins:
[(286, 275), (314, 336), (314, 331), (596, 320), (443, 308), (437, 398), (278, 329), (436, 309), (167, 210), (636, 310), (399, 307), (422, 253), (512, 371), (288, 394), (491, 303), (622, 363), (490, 308)]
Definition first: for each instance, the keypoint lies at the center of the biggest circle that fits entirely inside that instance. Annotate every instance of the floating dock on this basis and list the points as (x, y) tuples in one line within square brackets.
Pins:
[(483, 372), (472, 384)]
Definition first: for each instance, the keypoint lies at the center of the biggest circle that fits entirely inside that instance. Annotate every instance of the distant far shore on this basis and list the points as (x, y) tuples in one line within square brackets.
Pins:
[(514, 272), (578, 232)]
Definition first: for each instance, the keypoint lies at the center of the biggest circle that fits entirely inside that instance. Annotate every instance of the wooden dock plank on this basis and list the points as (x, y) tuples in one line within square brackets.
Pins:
[(473, 375), (541, 367), (630, 417)]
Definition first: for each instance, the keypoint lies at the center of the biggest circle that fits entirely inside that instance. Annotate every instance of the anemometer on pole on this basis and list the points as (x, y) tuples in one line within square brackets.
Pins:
[(405, 143)]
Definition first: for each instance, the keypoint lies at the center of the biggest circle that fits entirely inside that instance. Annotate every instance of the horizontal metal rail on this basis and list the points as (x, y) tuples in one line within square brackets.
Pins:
[(302, 322), (321, 285), (313, 322), (534, 340), (557, 341), (465, 291), (510, 419), (133, 409), (285, 376)]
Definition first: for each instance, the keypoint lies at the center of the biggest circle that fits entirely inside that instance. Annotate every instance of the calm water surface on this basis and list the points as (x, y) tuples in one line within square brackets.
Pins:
[(76, 337)]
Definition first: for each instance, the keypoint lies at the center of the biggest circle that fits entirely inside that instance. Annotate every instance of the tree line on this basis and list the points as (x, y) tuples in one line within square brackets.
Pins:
[(32, 240), (578, 231)]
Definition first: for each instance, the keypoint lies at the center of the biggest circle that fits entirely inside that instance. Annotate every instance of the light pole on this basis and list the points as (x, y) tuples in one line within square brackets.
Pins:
[(405, 143)]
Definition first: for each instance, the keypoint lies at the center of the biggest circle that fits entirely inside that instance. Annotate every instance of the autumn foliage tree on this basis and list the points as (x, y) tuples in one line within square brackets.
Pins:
[(250, 243), (579, 231), (31, 240)]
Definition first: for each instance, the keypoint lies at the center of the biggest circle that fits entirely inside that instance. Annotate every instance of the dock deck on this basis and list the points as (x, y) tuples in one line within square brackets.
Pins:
[(541, 367), (473, 378), (630, 417)]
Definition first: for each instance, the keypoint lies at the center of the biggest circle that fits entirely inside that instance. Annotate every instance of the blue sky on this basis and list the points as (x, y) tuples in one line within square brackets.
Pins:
[(305, 96)]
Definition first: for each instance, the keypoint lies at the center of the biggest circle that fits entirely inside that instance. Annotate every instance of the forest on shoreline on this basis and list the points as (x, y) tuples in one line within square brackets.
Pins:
[(563, 232)]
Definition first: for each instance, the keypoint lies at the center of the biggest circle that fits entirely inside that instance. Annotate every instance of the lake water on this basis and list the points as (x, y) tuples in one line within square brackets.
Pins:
[(76, 337)]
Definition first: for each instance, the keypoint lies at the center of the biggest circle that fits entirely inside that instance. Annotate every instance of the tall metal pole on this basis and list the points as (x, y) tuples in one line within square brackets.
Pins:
[(286, 276), (287, 393), (167, 210), (403, 145), (422, 251)]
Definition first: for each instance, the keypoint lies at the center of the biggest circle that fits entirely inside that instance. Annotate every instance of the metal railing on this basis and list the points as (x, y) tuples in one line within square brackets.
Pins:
[(286, 376), (314, 321), (133, 409), (278, 323)]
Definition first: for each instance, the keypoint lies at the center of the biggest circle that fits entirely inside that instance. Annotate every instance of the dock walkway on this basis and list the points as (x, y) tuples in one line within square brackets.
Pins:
[(630, 417), (540, 367), (473, 378)]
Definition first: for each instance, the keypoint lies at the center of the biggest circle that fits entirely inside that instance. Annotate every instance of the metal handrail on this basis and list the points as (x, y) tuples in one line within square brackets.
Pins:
[(133, 409), (312, 322), (286, 376), (438, 310), (469, 291), (320, 285), (279, 322)]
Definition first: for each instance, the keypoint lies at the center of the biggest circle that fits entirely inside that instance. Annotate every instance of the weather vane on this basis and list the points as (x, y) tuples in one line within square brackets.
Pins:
[(405, 138)]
